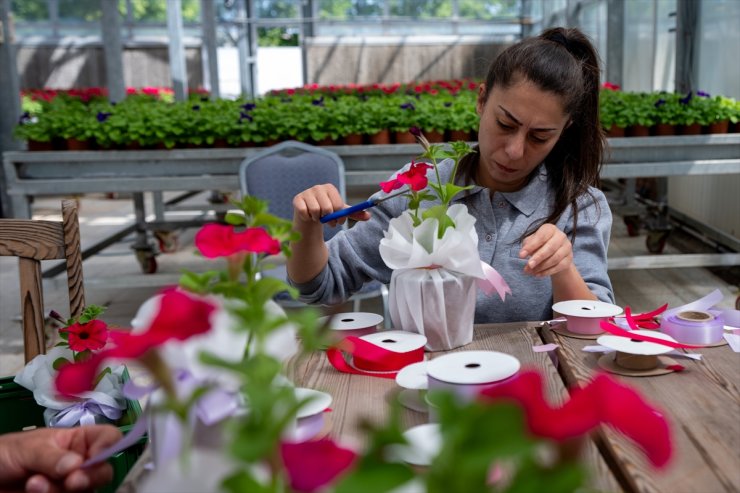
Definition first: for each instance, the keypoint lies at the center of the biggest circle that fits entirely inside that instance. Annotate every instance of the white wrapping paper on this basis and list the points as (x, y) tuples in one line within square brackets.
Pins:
[(433, 285)]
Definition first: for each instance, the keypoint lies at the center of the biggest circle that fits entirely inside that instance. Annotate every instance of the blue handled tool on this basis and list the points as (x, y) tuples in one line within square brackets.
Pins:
[(374, 200)]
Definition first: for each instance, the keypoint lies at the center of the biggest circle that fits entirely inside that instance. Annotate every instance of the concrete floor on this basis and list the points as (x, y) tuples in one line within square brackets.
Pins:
[(113, 277)]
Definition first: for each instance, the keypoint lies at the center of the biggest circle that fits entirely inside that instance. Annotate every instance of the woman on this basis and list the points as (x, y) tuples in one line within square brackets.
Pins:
[(541, 222)]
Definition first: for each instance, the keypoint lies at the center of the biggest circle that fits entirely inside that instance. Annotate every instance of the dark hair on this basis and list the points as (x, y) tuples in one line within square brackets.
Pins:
[(563, 62)]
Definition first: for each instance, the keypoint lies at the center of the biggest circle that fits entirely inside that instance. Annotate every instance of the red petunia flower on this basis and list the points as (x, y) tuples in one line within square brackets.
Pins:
[(415, 178), (219, 240), (92, 335), (315, 463), (603, 400), (611, 87), (180, 316)]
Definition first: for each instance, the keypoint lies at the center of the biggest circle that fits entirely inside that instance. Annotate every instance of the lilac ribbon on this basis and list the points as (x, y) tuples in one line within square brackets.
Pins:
[(131, 438), (84, 413), (693, 332), (211, 408), (307, 428)]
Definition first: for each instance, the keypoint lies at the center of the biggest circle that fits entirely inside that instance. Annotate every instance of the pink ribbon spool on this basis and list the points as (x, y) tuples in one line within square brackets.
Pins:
[(585, 316), (467, 373), (694, 327)]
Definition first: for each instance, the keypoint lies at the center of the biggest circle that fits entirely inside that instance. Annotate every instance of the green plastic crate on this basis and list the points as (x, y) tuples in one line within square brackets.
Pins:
[(19, 411)]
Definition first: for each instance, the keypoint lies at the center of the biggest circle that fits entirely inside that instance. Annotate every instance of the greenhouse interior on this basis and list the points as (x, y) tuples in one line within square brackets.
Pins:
[(369, 245)]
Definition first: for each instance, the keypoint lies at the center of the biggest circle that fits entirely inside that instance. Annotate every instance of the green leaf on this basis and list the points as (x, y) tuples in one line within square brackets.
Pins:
[(243, 481), (439, 212), (59, 362), (234, 219)]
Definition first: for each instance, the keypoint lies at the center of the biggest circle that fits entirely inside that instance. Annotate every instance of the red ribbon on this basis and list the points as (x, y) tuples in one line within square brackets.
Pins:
[(370, 359), (618, 331), (643, 320)]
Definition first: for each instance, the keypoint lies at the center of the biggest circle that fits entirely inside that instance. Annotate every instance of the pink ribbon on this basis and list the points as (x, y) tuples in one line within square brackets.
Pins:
[(493, 281)]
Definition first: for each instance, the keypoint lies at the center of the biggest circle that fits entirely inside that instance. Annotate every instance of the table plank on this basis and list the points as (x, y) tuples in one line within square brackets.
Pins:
[(357, 397), (702, 404)]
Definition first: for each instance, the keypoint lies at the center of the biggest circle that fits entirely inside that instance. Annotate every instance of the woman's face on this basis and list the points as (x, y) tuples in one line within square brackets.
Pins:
[(519, 126)]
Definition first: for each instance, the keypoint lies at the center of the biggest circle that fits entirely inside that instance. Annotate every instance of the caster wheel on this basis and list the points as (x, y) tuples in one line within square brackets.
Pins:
[(655, 241), (168, 241), (147, 261), (633, 225)]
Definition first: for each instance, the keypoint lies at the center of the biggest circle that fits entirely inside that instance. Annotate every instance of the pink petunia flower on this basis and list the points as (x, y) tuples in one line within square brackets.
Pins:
[(313, 464), (90, 336), (180, 316), (602, 400), (219, 240)]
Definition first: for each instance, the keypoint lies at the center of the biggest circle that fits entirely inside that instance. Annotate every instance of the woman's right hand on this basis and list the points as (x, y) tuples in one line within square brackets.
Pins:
[(311, 205)]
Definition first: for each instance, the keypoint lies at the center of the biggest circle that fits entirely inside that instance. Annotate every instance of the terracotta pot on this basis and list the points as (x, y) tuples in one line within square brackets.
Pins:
[(404, 138), (326, 141), (718, 127), (692, 129), (664, 129), (434, 136), (735, 128), (637, 131), (380, 138), (615, 131), (353, 139), (456, 135), (37, 145), (77, 145)]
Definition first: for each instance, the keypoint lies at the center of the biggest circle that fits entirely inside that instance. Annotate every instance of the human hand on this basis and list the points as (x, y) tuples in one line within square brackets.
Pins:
[(549, 251), (48, 460), (311, 205)]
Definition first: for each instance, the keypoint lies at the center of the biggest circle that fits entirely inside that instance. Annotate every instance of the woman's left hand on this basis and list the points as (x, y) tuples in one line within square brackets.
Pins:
[(549, 251)]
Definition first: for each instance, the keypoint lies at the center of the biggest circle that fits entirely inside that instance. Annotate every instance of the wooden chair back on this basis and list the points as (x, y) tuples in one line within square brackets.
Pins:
[(33, 241)]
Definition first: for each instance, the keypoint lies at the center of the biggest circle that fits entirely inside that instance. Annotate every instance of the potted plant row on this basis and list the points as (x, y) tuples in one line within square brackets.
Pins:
[(326, 115)]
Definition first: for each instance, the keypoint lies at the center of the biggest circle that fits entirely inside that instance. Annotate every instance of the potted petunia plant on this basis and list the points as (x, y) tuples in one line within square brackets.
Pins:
[(81, 339), (433, 252)]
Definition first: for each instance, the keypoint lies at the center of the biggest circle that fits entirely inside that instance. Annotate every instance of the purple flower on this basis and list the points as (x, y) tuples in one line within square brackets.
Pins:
[(248, 106), (244, 116), (196, 107), (25, 118), (408, 106), (703, 94), (415, 131), (102, 116), (448, 104), (318, 102), (687, 98), (659, 103)]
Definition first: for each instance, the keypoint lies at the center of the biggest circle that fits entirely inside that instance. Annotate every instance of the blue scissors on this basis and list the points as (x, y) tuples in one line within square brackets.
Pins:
[(374, 200)]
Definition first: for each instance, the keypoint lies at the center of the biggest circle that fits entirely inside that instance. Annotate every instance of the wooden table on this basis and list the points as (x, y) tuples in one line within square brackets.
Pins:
[(357, 397), (702, 404)]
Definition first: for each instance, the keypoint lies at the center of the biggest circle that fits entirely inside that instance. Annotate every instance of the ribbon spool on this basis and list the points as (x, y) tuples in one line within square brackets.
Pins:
[(584, 316), (355, 324), (310, 417), (694, 327), (466, 373), (634, 354), (380, 354)]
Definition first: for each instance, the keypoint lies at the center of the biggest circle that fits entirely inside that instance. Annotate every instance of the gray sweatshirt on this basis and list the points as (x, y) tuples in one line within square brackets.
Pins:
[(501, 219)]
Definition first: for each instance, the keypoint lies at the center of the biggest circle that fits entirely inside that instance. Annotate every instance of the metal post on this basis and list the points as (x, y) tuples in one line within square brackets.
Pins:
[(113, 50), (176, 50), (10, 105), (54, 17), (687, 23), (525, 18), (308, 12), (614, 41), (247, 46), (210, 53)]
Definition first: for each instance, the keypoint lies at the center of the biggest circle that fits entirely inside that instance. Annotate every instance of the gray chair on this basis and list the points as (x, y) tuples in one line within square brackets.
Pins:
[(281, 172)]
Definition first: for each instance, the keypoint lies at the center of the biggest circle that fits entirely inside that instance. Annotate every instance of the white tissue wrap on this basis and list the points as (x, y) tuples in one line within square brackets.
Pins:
[(433, 285)]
